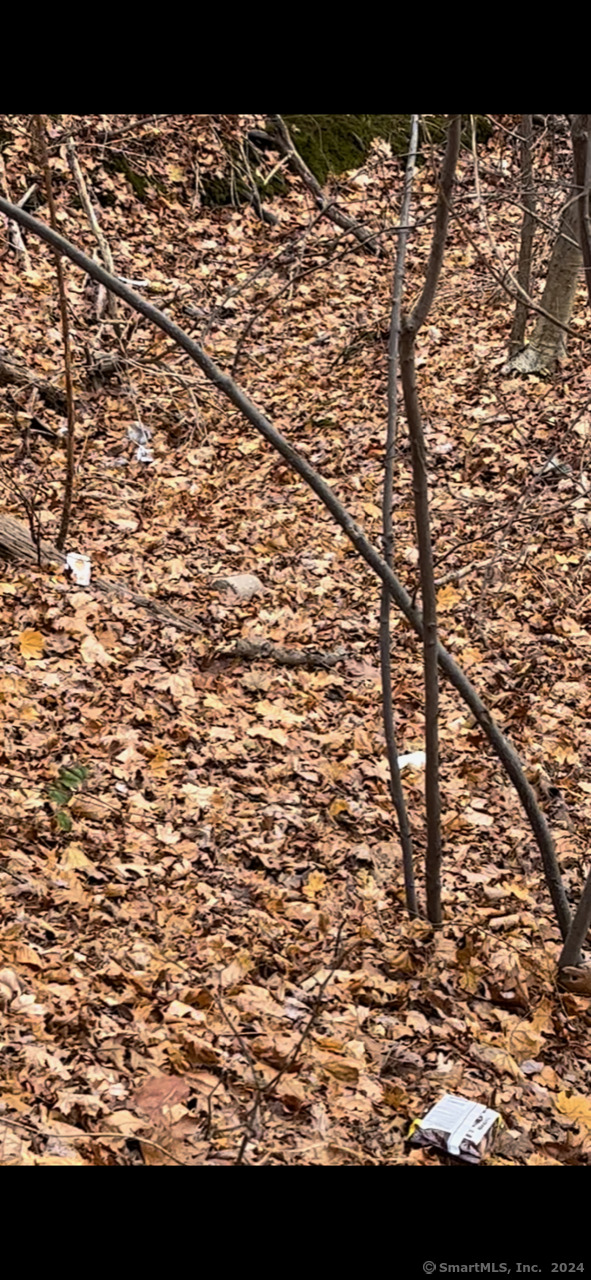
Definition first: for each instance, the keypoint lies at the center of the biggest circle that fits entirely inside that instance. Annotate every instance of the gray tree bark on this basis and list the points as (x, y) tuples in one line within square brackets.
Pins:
[(548, 343), (528, 195)]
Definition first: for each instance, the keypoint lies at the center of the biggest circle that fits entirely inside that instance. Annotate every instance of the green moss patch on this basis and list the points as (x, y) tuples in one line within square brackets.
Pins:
[(334, 144), (139, 182)]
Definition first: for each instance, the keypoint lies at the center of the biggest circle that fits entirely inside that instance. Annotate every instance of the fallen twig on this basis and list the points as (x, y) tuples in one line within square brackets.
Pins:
[(462, 573), (14, 230), (288, 657), (97, 231)]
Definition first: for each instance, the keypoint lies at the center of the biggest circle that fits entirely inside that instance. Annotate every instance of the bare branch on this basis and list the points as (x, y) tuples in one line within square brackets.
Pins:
[(423, 306), (517, 338), (500, 744), (95, 226), (396, 790), (69, 484), (285, 144)]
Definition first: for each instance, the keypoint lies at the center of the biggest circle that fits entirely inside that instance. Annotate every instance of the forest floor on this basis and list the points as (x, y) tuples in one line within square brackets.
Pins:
[(205, 951)]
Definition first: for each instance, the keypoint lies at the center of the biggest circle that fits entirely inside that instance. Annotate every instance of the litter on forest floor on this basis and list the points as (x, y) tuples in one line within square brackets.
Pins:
[(79, 567), (460, 1127), (416, 759)]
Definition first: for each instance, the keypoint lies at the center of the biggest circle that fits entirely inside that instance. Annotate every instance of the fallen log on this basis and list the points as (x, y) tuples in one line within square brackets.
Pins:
[(287, 657), (16, 544), (15, 374)]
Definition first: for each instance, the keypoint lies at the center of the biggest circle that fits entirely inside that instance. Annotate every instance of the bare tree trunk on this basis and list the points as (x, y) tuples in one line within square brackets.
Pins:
[(388, 535), (581, 137), (571, 951), (528, 196), (548, 342), (421, 498), (410, 328)]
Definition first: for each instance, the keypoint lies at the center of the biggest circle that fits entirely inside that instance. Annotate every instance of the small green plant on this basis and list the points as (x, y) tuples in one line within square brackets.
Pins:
[(69, 779)]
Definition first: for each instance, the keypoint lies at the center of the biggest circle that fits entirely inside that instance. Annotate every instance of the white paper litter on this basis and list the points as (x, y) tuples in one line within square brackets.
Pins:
[(141, 436), (79, 567), (416, 760), (463, 1128)]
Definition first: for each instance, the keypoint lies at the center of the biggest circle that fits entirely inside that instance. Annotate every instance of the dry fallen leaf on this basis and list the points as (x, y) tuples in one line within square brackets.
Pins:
[(31, 643), (574, 1107), (502, 1062), (159, 1093), (10, 986), (314, 885), (93, 652)]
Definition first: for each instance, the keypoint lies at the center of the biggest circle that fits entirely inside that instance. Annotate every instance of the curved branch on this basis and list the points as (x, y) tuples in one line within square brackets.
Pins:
[(501, 746)]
